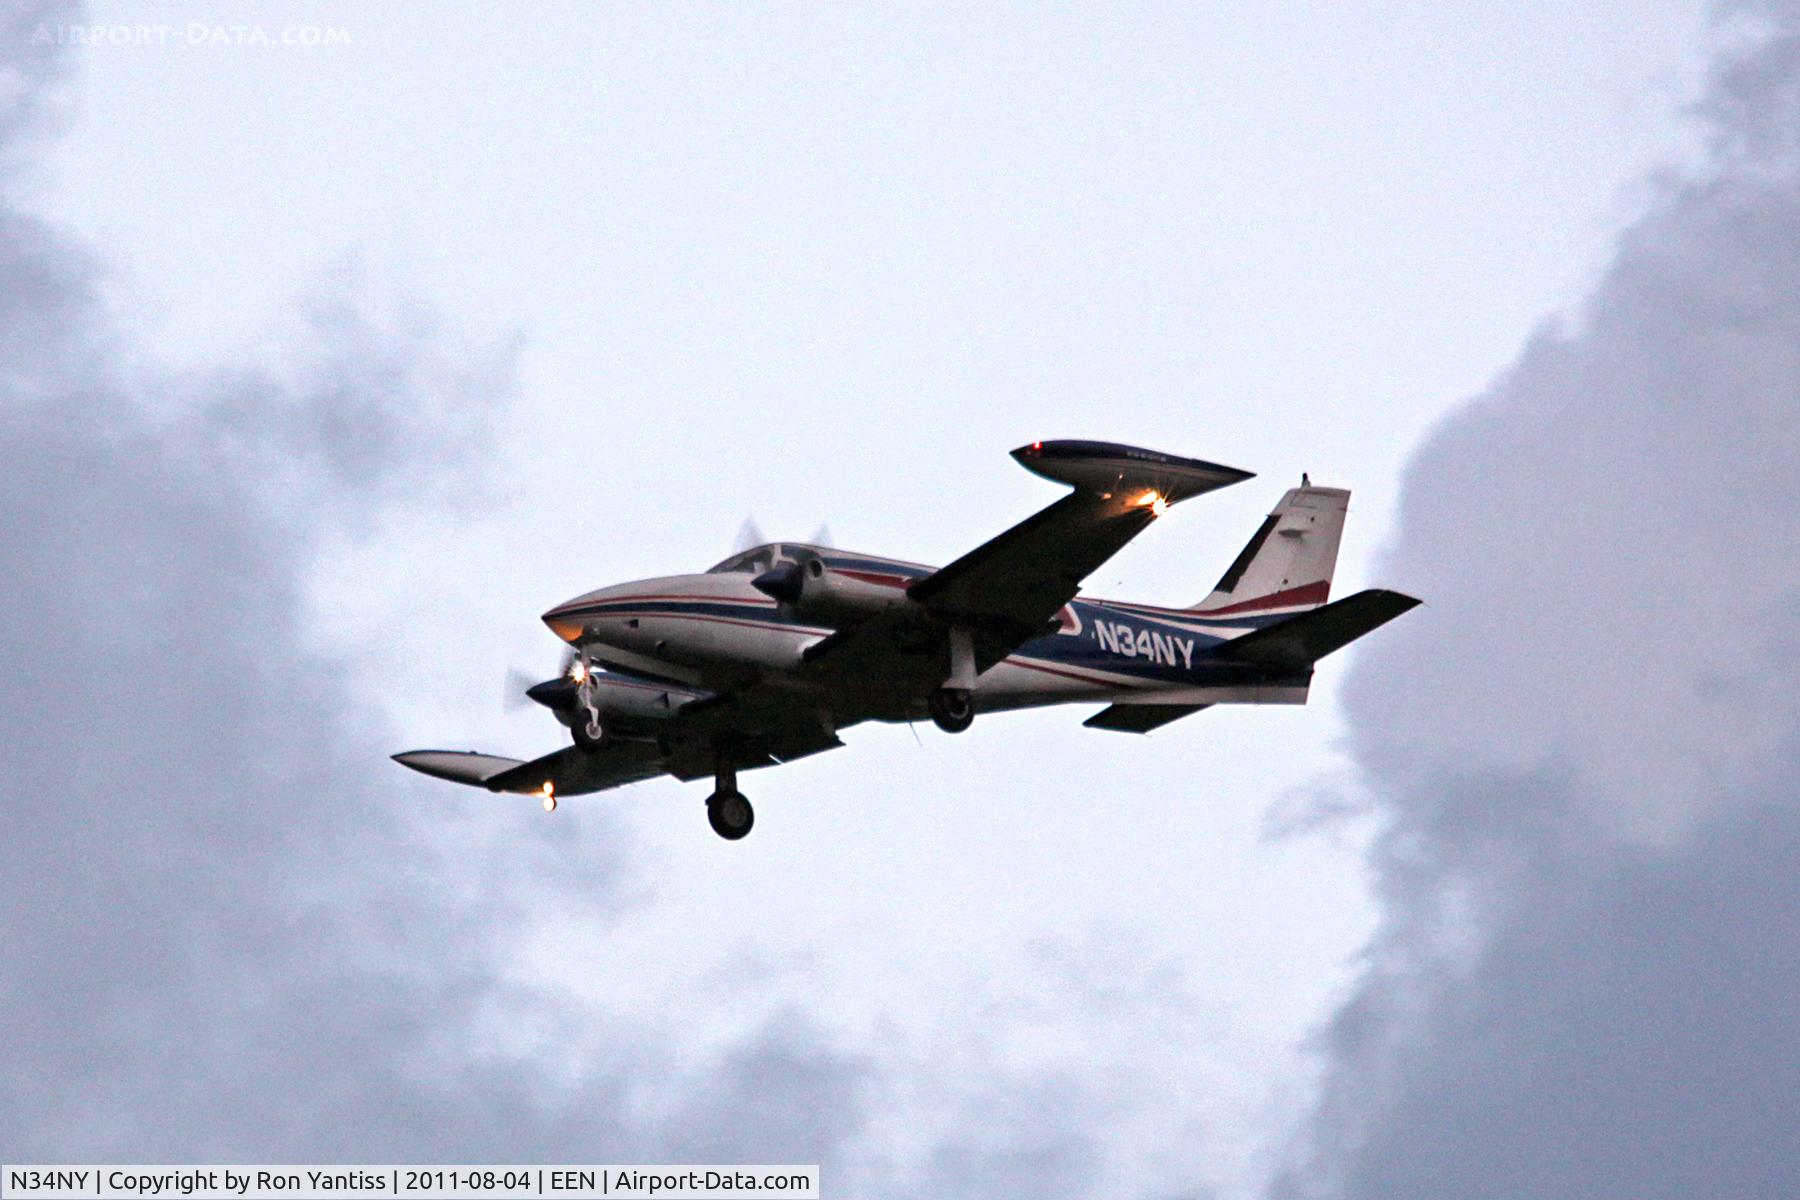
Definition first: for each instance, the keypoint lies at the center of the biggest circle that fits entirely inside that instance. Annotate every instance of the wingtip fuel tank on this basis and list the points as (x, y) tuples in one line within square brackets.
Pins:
[(1104, 467)]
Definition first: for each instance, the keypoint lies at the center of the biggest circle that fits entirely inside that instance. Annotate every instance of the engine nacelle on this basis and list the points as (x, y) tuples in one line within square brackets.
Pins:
[(815, 592), (623, 701)]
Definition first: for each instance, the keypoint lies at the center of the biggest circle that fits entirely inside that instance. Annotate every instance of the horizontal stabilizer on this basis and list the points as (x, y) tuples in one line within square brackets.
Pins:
[(1140, 718), (458, 766), (1300, 641)]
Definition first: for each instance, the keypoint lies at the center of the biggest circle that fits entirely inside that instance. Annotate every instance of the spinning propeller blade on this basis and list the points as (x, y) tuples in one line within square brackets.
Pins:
[(516, 683), (519, 683), (749, 536)]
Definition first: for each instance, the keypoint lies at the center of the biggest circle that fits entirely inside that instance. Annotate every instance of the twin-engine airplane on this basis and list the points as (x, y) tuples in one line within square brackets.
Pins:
[(766, 657)]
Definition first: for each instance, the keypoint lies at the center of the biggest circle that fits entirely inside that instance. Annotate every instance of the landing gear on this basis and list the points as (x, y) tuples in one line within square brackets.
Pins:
[(586, 725), (730, 814), (726, 809), (587, 730), (952, 708)]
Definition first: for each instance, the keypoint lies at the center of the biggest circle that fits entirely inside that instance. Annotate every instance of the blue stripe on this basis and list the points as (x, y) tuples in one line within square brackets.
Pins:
[(737, 610)]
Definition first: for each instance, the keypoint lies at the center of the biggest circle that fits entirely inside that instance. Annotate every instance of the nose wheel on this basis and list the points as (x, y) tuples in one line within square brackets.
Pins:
[(587, 730), (730, 814)]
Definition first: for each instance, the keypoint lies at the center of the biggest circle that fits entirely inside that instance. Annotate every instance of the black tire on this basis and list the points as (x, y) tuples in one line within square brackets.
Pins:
[(579, 730), (953, 709), (730, 815)]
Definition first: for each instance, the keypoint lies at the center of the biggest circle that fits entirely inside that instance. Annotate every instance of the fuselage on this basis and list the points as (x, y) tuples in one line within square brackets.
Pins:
[(716, 630)]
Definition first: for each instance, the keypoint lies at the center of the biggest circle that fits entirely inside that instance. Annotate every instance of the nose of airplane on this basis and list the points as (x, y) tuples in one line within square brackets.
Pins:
[(565, 622)]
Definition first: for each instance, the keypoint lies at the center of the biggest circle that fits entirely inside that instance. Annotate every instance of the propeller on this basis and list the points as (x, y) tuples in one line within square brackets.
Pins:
[(786, 581), (570, 694), (517, 684), (749, 536), (822, 537), (526, 687)]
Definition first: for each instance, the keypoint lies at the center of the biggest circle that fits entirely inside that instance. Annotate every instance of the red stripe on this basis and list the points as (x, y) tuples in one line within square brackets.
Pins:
[(1306, 593), (1129, 606), (759, 601)]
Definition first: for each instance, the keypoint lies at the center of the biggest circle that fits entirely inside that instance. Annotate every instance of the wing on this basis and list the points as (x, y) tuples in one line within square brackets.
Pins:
[(571, 771), (1009, 589), (755, 727), (1012, 586), (458, 766), (746, 730)]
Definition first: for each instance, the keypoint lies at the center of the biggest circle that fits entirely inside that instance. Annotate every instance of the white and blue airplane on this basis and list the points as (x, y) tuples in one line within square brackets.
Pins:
[(767, 656)]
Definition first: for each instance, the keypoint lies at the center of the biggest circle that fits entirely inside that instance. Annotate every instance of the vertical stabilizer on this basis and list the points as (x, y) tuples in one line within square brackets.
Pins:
[(1287, 566)]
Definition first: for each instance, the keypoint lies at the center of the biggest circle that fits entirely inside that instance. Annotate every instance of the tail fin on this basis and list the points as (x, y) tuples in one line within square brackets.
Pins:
[(1287, 566)]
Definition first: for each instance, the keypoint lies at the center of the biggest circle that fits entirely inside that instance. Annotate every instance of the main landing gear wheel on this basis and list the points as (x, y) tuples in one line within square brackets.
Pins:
[(952, 708), (730, 814), (587, 731)]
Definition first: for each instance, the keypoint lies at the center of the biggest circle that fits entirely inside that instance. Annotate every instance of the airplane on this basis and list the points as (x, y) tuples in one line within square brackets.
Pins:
[(767, 656)]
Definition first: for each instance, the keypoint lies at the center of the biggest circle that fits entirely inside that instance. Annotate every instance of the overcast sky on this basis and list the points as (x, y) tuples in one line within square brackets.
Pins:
[(328, 368)]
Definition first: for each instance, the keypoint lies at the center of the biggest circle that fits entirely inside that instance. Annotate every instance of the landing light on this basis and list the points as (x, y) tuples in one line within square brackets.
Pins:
[(549, 794), (578, 671), (1155, 501)]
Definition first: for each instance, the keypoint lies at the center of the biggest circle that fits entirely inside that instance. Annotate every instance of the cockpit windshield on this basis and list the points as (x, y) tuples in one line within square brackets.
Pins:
[(748, 562), (758, 559)]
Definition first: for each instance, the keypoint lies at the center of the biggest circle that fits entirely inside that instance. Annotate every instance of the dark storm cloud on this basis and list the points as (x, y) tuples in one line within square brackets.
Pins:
[(1586, 749), (226, 936)]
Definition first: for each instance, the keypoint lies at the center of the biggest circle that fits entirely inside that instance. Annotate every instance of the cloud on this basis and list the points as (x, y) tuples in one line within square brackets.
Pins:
[(228, 937), (1585, 750)]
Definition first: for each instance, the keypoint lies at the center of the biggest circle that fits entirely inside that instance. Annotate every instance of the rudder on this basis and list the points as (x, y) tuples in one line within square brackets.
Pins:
[(1287, 565)]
